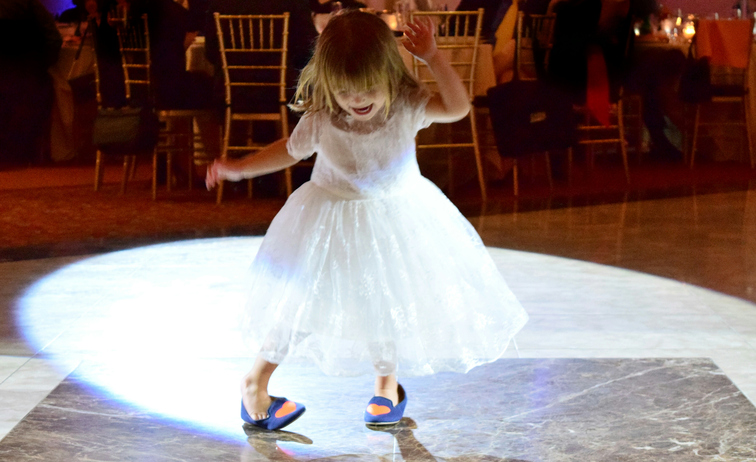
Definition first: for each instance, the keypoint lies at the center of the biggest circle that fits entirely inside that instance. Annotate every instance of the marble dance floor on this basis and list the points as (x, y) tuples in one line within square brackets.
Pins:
[(135, 355)]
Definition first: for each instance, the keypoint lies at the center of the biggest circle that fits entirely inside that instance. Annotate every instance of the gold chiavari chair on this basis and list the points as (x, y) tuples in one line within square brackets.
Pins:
[(134, 46), (253, 50), (534, 36), (458, 35), (176, 132)]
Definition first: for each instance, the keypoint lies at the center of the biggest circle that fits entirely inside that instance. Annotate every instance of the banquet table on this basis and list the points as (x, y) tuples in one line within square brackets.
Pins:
[(721, 142), (726, 43)]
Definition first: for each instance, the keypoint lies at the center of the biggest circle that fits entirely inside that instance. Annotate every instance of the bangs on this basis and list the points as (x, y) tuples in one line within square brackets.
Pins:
[(356, 72)]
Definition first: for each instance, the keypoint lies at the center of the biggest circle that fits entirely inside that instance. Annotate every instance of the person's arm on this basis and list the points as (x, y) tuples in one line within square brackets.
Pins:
[(271, 158), (451, 103)]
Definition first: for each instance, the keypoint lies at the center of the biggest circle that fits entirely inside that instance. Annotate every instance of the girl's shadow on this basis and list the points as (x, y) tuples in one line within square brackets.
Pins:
[(264, 442)]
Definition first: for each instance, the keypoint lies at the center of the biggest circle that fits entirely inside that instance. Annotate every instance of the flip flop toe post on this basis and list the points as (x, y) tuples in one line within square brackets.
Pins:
[(381, 411), (281, 413)]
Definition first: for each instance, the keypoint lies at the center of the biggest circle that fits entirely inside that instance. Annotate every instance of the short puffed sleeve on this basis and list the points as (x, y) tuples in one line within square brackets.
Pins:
[(417, 101), (303, 141)]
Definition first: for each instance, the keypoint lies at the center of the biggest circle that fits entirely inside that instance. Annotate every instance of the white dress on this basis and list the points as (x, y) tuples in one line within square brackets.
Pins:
[(368, 267)]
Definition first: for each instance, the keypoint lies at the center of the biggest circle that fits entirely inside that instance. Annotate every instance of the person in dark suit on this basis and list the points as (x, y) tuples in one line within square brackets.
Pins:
[(172, 27), (105, 39), (493, 13), (576, 28), (74, 15), (29, 44)]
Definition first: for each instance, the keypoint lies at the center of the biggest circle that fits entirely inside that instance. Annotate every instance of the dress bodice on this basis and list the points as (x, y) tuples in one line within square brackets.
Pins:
[(363, 159)]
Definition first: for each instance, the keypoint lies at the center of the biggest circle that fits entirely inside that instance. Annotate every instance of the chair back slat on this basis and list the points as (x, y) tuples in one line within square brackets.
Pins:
[(134, 49), (458, 36), (253, 50)]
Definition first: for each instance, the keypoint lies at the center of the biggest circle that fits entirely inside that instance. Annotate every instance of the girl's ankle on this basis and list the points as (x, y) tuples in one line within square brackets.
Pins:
[(250, 386)]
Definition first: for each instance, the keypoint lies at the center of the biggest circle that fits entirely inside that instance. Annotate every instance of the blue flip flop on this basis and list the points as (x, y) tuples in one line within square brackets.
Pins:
[(280, 414), (381, 411)]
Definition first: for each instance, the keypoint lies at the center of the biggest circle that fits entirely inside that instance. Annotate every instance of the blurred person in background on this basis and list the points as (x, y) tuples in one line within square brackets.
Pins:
[(76, 14), (172, 29), (29, 45)]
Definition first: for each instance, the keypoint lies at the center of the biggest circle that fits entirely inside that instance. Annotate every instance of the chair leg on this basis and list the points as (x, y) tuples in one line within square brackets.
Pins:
[(154, 174), (569, 166), (623, 141), (289, 184), (548, 170), (190, 167), (219, 193), (478, 158), (168, 170), (125, 178), (132, 168), (450, 170), (224, 151), (191, 140), (749, 136), (516, 185), (589, 146), (98, 171), (639, 128), (693, 147)]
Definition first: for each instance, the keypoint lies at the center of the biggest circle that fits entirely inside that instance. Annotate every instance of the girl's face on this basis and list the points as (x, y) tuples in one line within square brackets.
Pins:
[(363, 105)]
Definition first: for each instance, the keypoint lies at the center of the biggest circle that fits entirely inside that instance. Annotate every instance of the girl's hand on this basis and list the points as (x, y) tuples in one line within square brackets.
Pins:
[(220, 170), (419, 38)]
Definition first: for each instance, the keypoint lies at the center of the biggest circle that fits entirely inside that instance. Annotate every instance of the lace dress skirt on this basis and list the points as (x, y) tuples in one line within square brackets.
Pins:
[(393, 283)]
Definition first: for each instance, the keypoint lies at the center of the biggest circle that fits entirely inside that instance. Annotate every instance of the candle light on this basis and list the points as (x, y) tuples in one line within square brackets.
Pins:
[(391, 21), (689, 30)]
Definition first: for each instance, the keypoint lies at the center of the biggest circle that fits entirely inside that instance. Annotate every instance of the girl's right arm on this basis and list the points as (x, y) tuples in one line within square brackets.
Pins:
[(271, 158)]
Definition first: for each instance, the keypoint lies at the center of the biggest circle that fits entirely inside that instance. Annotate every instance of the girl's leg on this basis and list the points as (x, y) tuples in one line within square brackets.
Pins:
[(387, 387), (254, 388), (384, 362)]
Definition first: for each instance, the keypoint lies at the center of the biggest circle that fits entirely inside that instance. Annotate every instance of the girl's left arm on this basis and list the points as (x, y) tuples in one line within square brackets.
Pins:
[(452, 102), (271, 158)]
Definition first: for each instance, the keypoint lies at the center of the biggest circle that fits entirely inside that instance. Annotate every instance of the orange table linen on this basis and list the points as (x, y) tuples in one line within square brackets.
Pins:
[(725, 42)]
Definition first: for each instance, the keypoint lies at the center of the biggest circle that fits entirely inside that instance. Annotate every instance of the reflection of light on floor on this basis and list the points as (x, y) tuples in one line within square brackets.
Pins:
[(161, 331), (157, 326)]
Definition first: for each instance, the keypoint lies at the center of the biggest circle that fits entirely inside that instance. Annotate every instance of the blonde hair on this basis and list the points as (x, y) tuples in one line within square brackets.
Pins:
[(355, 52)]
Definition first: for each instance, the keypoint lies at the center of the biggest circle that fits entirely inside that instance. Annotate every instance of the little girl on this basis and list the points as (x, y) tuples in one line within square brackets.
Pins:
[(368, 267)]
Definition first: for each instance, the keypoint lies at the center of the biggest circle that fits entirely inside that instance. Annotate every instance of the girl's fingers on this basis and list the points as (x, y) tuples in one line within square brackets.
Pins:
[(211, 178)]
